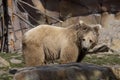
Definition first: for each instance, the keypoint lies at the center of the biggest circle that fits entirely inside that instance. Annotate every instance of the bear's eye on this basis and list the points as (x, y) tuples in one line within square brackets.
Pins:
[(83, 39), (84, 28), (91, 41)]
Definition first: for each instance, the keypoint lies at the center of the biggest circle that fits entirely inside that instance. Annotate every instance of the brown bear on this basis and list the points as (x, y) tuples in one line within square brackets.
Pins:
[(50, 44)]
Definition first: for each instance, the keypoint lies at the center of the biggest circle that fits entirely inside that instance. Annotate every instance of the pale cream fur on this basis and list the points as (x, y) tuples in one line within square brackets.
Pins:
[(47, 43)]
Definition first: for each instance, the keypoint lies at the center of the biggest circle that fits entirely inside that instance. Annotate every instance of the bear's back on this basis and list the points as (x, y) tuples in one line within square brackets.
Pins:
[(43, 32), (42, 29)]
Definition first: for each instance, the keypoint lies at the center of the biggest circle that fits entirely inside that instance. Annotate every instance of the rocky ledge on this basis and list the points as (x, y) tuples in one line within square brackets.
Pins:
[(71, 71)]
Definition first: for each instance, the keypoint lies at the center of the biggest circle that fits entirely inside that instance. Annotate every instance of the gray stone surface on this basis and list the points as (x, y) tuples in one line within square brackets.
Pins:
[(4, 63), (74, 71)]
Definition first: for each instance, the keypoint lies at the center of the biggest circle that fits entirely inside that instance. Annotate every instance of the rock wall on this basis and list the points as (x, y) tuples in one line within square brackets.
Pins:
[(67, 12), (27, 13)]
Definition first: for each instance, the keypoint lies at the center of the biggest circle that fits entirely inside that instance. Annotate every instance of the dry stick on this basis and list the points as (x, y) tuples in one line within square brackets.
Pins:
[(27, 12), (3, 34), (11, 19), (20, 29), (40, 11), (17, 10), (102, 48), (2, 42), (24, 20), (6, 22)]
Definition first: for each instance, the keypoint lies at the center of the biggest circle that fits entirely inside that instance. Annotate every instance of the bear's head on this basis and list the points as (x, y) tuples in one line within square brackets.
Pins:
[(88, 35)]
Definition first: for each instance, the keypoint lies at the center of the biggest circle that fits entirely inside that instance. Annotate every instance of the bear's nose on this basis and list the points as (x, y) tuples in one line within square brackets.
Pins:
[(85, 49)]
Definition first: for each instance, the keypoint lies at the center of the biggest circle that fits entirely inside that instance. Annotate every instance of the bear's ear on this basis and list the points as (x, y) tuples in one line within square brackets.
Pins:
[(97, 27), (83, 26), (81, 22), (79, 25)]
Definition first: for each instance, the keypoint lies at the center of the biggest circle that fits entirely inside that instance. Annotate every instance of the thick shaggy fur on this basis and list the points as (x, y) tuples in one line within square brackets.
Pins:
[(48, 44)]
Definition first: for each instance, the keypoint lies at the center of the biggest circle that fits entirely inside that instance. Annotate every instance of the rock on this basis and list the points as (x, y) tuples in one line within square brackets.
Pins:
[(110, 35), (115, 44), (4, 63), (116, 71), (2, 72), (15, 61), (74, 71)]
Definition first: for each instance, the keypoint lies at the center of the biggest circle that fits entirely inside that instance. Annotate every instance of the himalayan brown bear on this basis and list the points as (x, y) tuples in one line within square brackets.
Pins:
[(46, 44)]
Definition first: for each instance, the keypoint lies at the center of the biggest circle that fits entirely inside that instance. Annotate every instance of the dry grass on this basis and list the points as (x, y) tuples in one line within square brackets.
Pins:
[(99, 59)]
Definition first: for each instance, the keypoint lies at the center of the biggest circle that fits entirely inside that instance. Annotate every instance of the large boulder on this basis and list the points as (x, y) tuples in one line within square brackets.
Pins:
[(4, 63), (74, 71)]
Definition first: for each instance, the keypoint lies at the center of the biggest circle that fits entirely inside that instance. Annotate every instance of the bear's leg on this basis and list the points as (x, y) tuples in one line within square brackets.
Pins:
[(69, 54), (34, 56)]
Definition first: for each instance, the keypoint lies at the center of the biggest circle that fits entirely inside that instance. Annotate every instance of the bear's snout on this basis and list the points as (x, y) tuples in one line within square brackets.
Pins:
[(85, 49)]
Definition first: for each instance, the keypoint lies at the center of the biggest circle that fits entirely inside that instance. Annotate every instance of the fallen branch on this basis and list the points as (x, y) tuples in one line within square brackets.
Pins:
[(24, 20), (101, 48), (40, 11)]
